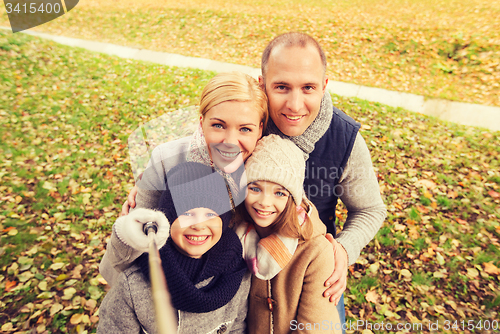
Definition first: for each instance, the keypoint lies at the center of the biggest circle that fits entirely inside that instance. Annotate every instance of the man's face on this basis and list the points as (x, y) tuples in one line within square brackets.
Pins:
[(295, 83)]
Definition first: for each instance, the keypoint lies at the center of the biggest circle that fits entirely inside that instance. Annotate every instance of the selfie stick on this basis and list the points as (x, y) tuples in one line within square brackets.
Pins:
[(166, 319)]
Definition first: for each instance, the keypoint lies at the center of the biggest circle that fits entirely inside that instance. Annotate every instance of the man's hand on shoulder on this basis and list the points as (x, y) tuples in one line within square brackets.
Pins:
[(338, 281)]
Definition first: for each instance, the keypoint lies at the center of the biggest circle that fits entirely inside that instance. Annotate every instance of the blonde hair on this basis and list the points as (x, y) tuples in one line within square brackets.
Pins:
[(234, 86)]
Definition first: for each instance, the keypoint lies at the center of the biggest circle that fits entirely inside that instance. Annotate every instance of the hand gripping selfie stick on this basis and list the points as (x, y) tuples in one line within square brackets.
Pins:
[(166, 319)]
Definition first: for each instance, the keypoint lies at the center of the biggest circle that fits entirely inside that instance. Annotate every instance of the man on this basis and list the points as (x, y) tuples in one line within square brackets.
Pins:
[(338, 163)]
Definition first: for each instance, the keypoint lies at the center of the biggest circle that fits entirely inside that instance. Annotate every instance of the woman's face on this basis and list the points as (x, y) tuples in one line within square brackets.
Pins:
[(231, 130)]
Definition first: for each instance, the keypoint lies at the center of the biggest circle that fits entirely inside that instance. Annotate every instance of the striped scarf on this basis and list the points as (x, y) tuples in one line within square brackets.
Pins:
[(266, 257)]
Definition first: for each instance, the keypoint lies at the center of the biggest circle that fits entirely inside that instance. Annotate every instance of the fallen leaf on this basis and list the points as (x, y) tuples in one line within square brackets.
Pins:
[(55, 308), (68, 293), (56, 266), (374, 267), (372, 296), (493, 194), (7, 327), (12, 232), (9, 285), (472, 273), (76, 318), (399, 227), (42, 285), (426, 183), (491, 269), (405, 272), (439, 258)]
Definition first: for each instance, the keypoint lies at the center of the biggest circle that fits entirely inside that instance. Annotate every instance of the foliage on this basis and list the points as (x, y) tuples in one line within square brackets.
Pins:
[(439, 48), (65, 115)]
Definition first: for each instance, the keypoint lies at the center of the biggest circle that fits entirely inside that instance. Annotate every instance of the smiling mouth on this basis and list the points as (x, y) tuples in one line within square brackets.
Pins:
[(263, 213), (228, 155), (197, 238), (293, 118)]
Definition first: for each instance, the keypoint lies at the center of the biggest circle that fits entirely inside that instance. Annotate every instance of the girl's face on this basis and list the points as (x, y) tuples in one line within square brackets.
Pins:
[(196, 231), (231, 130), (265, 201)]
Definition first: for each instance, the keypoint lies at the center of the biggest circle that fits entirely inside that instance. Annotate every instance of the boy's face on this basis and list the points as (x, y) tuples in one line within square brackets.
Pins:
[(196, 231)]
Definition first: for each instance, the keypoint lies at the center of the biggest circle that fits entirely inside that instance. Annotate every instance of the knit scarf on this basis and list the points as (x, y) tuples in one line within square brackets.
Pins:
[(198, 152), (314, 132), (222, 267), (266, 257)]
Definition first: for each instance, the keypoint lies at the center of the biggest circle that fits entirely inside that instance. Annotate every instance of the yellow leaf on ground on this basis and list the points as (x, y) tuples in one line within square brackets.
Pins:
[(372, 296), (76, 318), (426, 183), (55, 308), (7, 327), (491, 269), (68, 293), (472, 273), (399, 227), (42, 285), (440, 309), (56, 266), (406, 273), (12, 232), (102, 280)]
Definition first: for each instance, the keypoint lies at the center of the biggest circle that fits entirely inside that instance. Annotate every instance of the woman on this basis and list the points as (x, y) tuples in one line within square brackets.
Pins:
[(222, 141)]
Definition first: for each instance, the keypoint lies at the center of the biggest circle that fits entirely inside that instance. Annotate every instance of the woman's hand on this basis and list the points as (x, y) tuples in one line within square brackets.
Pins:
[(338, 281), (130, 202)]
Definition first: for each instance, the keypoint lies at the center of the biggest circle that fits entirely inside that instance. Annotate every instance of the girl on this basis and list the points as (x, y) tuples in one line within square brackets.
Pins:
[(284, 245), (202, 262)]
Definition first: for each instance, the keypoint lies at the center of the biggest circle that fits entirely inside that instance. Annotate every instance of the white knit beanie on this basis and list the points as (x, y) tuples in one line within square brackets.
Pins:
[(280, 161)]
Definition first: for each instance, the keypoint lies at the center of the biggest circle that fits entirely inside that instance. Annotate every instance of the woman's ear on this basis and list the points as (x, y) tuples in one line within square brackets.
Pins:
[(261, 127)]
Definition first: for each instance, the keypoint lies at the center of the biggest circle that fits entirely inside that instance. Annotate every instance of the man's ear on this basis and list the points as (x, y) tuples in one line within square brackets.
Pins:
[(261, 82), (325, 84)]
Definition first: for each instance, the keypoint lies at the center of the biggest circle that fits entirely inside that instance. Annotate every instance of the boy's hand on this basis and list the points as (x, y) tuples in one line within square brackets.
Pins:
[(130, 202), (338, 281), (129, 228)]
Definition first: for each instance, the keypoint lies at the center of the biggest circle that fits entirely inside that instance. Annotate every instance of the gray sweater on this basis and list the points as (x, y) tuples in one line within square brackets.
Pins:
[(128, 309)]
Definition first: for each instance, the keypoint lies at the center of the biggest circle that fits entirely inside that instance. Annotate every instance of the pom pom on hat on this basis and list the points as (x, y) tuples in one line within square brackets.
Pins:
[(280, 161)]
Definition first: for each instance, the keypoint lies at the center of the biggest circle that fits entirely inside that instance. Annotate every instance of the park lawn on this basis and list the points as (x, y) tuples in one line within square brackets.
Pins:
[(436, 48), (66, 114)]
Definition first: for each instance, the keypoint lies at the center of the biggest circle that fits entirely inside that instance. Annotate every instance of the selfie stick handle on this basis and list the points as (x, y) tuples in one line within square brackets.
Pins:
[(166, 318)]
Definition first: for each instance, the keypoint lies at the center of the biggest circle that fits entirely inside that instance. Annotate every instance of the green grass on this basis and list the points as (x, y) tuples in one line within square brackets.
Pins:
[(439, 49), (65, 117)]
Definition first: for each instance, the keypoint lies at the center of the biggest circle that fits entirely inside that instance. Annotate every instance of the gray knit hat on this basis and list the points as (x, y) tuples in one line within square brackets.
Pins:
[(193, 185), (280, 161)]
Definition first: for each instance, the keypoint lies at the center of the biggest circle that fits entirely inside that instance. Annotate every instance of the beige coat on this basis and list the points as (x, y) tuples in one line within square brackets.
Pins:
[(297, 291)]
